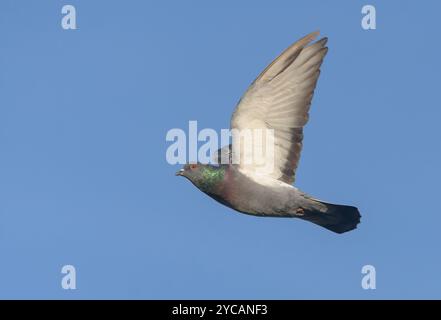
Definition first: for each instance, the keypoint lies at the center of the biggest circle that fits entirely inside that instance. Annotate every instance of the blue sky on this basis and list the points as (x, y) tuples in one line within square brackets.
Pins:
[(83, 175)]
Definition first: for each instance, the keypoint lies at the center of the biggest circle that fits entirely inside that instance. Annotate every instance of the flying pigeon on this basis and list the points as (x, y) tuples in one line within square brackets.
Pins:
[(279, 99)]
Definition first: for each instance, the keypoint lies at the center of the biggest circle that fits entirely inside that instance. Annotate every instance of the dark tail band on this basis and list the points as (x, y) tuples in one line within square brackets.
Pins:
[(338, 218)]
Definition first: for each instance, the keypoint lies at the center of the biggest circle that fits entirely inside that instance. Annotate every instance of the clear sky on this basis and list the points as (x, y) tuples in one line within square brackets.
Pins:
[(83, 175)]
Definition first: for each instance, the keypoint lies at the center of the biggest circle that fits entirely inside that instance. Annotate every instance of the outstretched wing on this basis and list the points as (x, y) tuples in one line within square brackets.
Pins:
[(279, 99)]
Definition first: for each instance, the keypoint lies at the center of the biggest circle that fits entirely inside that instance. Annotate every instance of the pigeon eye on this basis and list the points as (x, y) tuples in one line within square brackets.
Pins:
[(193, 166)]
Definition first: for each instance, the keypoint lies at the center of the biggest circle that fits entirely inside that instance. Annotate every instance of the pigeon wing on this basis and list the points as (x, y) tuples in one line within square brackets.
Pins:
[(222, 155), (279, 99)]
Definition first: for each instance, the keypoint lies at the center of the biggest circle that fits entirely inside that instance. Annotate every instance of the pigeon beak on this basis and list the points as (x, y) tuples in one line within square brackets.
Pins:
[(180, 172)]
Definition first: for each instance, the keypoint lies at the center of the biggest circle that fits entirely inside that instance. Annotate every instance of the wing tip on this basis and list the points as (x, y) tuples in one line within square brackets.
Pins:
[(323, 41), (281, 62), (315, 33), (308, 38)]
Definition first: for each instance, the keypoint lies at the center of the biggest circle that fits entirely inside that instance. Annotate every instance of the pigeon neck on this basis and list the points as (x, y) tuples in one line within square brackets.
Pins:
[(211, 177)]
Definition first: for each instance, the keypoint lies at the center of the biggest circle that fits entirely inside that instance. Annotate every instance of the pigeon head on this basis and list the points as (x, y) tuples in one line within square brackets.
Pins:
[(205, 177), (190, 171)]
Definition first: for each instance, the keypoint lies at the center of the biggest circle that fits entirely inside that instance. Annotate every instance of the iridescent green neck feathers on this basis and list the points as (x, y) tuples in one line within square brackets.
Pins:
[(210, 178)]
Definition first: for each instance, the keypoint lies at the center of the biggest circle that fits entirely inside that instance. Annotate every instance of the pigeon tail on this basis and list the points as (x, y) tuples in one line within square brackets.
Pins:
[(338, 218)]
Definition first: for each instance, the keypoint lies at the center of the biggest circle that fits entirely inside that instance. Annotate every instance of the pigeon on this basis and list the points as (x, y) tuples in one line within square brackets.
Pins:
[(279, 99)]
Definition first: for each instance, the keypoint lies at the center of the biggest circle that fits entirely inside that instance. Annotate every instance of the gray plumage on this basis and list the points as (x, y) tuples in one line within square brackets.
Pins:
[(279, 100)]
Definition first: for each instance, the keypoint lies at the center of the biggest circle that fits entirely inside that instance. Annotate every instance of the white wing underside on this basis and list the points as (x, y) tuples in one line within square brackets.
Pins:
[(279, 99)]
